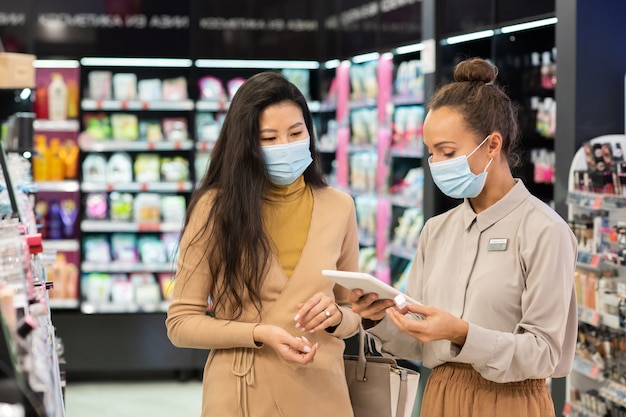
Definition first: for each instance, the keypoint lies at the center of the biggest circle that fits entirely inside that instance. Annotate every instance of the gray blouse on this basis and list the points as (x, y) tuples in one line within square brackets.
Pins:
[(509, 272)]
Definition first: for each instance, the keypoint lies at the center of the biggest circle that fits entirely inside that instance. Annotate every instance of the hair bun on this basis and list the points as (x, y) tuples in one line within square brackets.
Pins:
[(475, 69)]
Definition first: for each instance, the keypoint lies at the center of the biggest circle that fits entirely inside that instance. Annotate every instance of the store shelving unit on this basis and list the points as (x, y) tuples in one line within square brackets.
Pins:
[(64, 250), (30, 376), (375, 152), (130, 318), (597, 383)]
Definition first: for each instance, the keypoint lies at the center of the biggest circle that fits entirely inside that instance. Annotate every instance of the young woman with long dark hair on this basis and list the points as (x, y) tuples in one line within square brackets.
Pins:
[(259, 229)]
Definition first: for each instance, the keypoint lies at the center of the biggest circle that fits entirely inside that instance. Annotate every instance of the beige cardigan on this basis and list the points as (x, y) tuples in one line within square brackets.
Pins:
[(241, 378)]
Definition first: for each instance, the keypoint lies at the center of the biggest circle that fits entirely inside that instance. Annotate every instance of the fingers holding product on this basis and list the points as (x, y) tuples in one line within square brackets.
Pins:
[(435, 324), (287, 347)]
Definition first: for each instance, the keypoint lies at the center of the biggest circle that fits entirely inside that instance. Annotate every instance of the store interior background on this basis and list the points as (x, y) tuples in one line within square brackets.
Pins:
[(587, 43)]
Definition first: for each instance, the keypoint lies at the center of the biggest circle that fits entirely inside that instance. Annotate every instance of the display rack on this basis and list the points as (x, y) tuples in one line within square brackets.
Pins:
[(102, 306), (30, 373), (597, 384), (378, 158)]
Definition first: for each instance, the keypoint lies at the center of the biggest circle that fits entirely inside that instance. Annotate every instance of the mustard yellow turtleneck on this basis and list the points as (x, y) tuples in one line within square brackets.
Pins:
[(287, 211)]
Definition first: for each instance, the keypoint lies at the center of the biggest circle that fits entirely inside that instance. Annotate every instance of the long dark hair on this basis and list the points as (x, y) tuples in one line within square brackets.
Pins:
[(239, 249), (484, 104)]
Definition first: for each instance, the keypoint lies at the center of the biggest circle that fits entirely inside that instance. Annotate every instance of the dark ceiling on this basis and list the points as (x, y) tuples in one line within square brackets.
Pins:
[(288, 29)]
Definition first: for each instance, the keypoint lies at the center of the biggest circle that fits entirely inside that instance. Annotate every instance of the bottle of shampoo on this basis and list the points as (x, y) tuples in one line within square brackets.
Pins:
[(40, 158), (69, 158), (57, 98), (56, 170), (72, 99), (55, 224), (41, 102)]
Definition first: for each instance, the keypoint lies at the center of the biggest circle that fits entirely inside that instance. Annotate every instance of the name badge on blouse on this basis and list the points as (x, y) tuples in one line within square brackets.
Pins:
[(497, 244)]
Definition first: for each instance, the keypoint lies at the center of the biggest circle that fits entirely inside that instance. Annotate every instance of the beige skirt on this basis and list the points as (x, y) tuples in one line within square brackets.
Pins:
[(457, 390)]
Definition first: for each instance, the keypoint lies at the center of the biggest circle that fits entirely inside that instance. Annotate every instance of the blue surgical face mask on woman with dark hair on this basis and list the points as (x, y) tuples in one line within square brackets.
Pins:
[(286, 162), (455, 178)]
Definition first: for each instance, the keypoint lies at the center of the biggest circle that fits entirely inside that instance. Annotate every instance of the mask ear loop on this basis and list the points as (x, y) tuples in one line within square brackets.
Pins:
[(478, 147), (488, 163)]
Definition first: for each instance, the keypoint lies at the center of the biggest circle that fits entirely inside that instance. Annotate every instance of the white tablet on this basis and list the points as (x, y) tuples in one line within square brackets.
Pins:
[(366, 282)]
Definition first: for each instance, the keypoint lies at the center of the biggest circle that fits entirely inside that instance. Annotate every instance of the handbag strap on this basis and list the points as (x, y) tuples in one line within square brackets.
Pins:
[(361, 362), (400, 410)]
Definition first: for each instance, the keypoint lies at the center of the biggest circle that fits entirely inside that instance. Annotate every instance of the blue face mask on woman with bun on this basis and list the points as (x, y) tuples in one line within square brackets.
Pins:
[(455, 178)]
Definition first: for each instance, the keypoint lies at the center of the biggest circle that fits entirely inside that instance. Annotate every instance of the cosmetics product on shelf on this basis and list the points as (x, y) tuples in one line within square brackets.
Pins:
[(69, 214), (54, 163), (124, 86), (100, 85), (175, 89), (119, 168), (39, 159), (69, 156), (72, 99), (55, 223), (57, 98), (95, 168), (41, 102)]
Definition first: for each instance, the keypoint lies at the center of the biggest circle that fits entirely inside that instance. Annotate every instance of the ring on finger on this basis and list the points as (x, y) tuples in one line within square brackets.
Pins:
[(327, 313)]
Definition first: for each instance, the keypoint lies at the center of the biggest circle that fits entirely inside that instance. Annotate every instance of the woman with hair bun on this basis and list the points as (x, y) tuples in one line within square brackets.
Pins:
[(495, 274)]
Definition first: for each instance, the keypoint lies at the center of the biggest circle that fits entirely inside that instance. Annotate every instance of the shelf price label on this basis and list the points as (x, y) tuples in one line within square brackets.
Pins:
[(149, 227), (145, 105), (586, 367), (567, 409), (590, 316), (597, 202)]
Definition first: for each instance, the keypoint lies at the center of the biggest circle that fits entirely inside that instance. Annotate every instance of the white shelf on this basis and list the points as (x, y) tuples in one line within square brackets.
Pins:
[(362, 103), (68, 126), (402, 251), (68, 186), (223, 105), (402, 201), (596, 201), (136, 187), (325, 106), (407, 100), (111, 308), (137, 145), (126, 267), (65, 245), (407, 152), (598, 318), (614, 392), (587, 368), (572, 409), (113, 105), (212, 105), (63, 303), (327, 148), (205, 146), (107, 226)]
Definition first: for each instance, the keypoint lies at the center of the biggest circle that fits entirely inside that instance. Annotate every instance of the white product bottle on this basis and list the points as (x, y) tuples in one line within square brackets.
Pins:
[(57, 98)]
